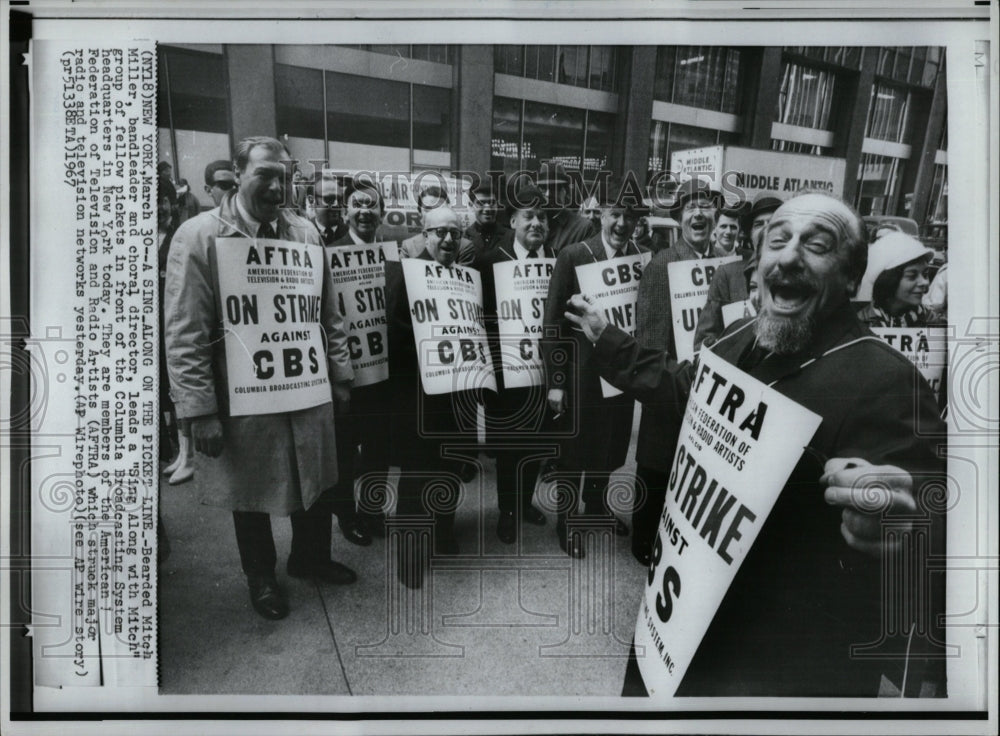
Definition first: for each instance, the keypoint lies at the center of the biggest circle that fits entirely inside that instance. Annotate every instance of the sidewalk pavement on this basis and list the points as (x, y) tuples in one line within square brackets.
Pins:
[(522, 619)]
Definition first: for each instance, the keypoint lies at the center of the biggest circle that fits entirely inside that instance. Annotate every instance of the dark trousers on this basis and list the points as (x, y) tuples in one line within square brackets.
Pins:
[(362, 446), (594, 488), (651, 490), (310, 537), (514, 420)]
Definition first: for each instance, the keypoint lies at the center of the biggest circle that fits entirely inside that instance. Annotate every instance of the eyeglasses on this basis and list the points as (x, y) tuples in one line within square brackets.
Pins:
[(225, 184), (331, 200), (443, 232)]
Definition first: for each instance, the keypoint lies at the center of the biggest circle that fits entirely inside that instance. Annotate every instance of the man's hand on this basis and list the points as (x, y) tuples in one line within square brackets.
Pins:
[(870, 495), (557, 401), (342, 396), (206, 433), (583, 313)]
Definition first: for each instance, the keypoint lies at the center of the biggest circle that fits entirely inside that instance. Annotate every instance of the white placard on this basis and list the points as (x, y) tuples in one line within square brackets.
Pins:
[(521, 289), (925, 347), (271, 297), (734, 428), (446, 308), (737, 311), (359, 274), (614, 286), (689, 282)]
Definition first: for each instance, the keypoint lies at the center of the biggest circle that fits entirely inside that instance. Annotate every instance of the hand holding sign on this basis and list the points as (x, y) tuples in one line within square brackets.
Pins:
[(206, 432), (868, 493), (582, 312)]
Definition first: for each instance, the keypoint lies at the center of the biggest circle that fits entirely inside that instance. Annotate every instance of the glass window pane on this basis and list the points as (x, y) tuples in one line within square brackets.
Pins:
[(437, 53), (505, 150), (806, 96), (657, 148), (600, 137), (731, 85), (885, 59), (198, 97), (602, 68), (509, 60), (392, 49), (572, 65), (431, 118), (531, 61), (877, 180), (901, 68), (552, 132), (368, 110), (299, 101), (887, 114), (683, 137)]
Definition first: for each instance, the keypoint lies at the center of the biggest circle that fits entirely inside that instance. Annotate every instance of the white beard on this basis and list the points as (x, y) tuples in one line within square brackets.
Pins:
[(784, 335)]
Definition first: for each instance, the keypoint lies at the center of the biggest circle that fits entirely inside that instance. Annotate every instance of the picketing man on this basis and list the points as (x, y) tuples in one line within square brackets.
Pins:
[(484, 231), (731, 282), (575, 396), (515, 416), (272, 461), (421, 422), (328, 208), (430, 198), (219, 180), (566, 224), (810, 587), (695, 207), (363, 430)]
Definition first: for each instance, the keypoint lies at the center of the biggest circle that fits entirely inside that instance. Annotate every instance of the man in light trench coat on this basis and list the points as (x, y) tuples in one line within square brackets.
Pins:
[(264, 463)]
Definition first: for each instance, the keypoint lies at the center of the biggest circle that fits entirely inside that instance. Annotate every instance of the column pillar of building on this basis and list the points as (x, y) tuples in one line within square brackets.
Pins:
[(854, 120), (250, 71), (761, 113), (925, 151), (635, 112), (474, 119)]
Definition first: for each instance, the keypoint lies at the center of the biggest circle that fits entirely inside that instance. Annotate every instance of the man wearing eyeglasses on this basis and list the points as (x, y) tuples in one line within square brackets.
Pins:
[(695, 207), (220, 179), (484, 232), (329, 209), (421, 422), (429, 199)]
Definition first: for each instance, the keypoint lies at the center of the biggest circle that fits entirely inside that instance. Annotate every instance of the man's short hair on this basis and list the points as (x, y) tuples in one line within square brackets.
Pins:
[(368, 188), (245, 146), (434, 191), (220, 165), (857, 243), (527, 197), (481, 191)]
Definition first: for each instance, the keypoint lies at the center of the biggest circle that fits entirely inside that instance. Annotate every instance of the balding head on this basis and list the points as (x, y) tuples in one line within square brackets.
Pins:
[(811, 260), (442, 234)]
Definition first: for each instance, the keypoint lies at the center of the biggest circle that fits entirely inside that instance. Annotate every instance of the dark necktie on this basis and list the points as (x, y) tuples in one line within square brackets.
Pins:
[(532, 254), (265, 231), (327, 235)]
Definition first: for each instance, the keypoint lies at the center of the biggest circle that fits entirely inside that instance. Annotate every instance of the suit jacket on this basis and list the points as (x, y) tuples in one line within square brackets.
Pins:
[(655, 329), (802, 597), (420, 421), (730, 284), (565, 228), (603, 425), (335, 236), (485, 239)]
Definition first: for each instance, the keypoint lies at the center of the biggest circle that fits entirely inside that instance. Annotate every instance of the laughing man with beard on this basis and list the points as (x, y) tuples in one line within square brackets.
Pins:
[(811, 588)]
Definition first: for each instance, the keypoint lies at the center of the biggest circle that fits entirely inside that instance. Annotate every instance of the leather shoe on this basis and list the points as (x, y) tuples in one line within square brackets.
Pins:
[(325, 571), (533, 516), (355, 532), (266, 597), (507, 527), (573, 546)]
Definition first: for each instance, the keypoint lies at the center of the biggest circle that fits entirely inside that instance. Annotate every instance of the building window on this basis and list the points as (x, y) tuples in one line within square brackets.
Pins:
[(666, 138), (805, 97), (431, 118), (878, 177), (593, 67), (908, 64), (698, 76), (527, 133), (299, 101), (887, 114), (367, 110), (192, 113), (937, 211), (846, 56)]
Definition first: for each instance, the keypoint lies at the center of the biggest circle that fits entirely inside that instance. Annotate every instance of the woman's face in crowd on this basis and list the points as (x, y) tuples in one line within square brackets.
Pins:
[(912, 287)]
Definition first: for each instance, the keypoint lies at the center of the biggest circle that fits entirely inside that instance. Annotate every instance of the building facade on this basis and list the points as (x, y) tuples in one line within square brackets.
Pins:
[(505, 107)]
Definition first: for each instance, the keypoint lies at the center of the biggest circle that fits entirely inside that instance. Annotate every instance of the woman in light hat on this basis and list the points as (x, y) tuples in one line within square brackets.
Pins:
[(895, 282)]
